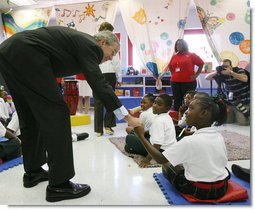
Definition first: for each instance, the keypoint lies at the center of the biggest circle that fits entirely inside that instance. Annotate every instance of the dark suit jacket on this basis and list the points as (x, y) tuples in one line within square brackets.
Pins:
[(64, 52)]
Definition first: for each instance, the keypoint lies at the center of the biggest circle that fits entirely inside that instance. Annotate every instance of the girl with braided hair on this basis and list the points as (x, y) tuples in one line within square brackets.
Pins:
[(196, 165)]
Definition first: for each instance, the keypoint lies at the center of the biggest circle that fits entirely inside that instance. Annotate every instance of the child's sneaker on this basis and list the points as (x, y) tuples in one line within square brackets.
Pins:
[(109, 131), (79, 136)]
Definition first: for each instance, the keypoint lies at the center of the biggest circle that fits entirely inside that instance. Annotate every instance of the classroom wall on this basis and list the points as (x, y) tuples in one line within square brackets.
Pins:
[(1, 31), (192, 22)]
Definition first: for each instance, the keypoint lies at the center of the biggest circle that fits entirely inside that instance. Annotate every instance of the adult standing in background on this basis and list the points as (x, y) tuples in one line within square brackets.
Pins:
[(84, 92), (112, 73), (183, 74), (30, 61)]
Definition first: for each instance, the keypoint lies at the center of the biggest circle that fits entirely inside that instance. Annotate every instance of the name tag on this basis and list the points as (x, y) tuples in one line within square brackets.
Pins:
[(230, 96)]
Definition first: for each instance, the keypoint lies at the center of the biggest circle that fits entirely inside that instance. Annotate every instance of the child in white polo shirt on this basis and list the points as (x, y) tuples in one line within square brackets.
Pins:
[(162, 131), (146, 115), (133, 145), (202, 155)]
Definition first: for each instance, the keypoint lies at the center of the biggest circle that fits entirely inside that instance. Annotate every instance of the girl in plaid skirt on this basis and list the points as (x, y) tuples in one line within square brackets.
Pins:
[(196, 165)]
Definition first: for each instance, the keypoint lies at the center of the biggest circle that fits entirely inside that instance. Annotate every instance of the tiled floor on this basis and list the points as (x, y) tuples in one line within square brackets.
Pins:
[(114, 178)]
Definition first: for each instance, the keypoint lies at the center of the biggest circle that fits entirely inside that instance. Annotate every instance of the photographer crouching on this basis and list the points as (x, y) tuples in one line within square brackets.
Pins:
[(234, 84)]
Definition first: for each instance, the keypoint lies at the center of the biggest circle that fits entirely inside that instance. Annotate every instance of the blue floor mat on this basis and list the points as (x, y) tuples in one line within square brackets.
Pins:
[(175, 198), (3, 139), (11, 163)]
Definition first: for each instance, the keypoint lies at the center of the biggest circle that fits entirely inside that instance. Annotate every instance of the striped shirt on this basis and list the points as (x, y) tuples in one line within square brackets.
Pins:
[(240, 90)]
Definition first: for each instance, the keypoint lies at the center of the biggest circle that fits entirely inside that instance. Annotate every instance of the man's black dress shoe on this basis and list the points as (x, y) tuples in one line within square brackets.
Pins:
[(241, 173), (54, 194), (32, 179)]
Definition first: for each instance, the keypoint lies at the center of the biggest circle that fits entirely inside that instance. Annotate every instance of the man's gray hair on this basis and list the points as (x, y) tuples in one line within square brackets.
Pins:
[(108, 36)]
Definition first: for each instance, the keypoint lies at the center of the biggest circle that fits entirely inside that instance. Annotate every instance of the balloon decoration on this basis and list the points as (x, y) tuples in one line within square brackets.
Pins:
[(220, 20)]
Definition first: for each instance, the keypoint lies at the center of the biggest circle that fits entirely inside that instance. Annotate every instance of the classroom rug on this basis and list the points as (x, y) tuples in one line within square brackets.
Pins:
[(173, 197), (119, 142), (238, 147), (3, 139), (11, 163)]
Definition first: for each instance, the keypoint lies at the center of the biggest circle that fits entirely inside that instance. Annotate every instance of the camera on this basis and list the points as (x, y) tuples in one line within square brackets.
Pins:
[(219, 69)]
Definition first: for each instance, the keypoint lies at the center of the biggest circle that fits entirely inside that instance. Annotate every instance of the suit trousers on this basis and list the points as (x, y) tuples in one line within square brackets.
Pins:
[(43, 115), (102, 117)]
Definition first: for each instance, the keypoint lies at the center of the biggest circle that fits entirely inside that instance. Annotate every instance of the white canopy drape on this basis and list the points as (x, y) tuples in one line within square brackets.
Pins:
[(153, 27), (227, 27)]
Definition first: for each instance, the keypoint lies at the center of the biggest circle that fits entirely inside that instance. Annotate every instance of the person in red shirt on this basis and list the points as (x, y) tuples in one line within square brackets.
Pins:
[(60, 81), (84, 92), (183, 74)]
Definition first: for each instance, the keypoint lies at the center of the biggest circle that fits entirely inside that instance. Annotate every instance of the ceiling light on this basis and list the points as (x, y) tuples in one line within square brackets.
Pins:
[(23, 2)]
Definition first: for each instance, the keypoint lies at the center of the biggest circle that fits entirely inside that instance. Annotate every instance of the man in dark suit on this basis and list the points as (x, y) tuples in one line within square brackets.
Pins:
[(30, 61)]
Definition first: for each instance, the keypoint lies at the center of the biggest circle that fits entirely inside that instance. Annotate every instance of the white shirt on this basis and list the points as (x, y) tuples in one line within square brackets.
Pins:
[(182, 122), (112, 66), (203, 155), (2, 130), (5, 109), (162, 131), (147, 118), (14, 124)]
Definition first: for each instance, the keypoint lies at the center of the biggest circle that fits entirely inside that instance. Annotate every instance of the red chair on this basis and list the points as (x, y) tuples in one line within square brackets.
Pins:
[(174, 115)]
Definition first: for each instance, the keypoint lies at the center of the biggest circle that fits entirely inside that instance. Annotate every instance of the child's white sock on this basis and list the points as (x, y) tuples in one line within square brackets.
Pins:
[(74, 137)]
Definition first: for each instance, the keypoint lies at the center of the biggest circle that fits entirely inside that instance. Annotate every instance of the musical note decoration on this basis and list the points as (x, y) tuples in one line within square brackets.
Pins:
[(66, 12), (76, 11)]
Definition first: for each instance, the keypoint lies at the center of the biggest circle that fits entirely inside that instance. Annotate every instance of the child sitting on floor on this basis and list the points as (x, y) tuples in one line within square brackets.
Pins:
[(162, 132), (188, 97), (11, 147), (203, 154), (189, 130), (147, 114)]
